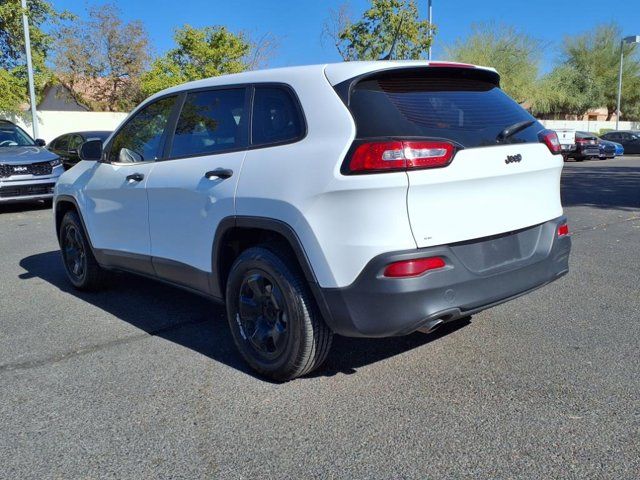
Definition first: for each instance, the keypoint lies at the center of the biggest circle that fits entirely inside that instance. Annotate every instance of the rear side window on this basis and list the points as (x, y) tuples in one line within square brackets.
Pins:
[(462, 107), (276, 116), (210, 122)]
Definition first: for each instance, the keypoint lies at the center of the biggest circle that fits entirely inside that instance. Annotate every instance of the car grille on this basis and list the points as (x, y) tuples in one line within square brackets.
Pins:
[(41, 168), (26, 190)]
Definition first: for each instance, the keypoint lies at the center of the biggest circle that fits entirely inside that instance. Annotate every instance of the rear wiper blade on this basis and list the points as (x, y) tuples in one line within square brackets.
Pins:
[(513, 129)]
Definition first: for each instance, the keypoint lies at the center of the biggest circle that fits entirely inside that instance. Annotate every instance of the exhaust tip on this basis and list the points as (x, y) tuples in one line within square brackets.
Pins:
[(431, 325)]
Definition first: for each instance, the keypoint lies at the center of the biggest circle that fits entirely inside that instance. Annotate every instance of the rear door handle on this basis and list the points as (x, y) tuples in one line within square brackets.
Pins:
[(135, 177), (219, 173)]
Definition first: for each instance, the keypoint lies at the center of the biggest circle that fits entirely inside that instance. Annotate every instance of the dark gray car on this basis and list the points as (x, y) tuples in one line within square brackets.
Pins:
[(629, 139), (28, 171)]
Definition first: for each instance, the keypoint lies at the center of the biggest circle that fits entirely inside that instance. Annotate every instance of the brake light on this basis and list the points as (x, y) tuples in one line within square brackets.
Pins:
[(563, 230), (451, 64), (398, 156), (550, 139), (413, 268)]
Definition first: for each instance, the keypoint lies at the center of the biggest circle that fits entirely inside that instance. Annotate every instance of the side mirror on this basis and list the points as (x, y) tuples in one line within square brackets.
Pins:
[(40, 142), (91, 150)]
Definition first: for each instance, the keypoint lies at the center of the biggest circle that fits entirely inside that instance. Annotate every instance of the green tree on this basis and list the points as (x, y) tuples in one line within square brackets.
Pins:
[(13, 71), (515, 55), (12, 92), (371, 37), (564, 91), (101, 60), (595, 55), (206, 52)]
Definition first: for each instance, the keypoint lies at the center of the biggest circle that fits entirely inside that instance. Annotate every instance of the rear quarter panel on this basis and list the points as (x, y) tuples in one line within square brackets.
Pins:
[(342, 221)]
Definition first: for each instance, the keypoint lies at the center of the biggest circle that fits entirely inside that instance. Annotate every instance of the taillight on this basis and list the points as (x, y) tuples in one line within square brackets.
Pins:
[(451, 65), (563, 230), (550, 139), (400, 155), (413, 268)]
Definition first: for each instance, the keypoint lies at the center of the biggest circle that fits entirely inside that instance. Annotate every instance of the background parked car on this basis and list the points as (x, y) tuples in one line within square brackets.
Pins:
[(567, 138), (586, 147), (607, 149), (619, 149), (67, 146), (27, 170), (629, 139)]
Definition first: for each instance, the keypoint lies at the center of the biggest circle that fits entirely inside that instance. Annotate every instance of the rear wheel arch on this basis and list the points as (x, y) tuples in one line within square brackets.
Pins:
[(236, 234)]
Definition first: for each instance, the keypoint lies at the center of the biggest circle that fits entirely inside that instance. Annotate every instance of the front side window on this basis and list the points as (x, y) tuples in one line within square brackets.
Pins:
[(61, 143), (276, 117), (211, 121), (142, 137), (14, 136)]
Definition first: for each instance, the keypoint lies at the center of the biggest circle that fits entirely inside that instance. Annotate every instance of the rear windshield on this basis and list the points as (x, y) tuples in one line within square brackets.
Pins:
[(586, 135), (459, 106)]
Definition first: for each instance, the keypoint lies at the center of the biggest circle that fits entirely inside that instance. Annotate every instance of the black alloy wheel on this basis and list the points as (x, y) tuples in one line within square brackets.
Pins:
[(81, 266), (73, 252), (262, 316), (272, 314)]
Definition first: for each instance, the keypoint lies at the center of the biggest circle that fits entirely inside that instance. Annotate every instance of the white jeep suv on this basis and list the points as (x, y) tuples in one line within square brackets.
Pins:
[(363, 199)]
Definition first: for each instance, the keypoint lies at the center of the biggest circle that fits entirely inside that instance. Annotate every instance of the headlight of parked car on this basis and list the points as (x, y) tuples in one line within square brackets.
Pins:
[(56, 162)]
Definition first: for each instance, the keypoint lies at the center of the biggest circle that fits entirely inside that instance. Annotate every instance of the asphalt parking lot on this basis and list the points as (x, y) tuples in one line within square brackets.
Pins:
[(143, 380)]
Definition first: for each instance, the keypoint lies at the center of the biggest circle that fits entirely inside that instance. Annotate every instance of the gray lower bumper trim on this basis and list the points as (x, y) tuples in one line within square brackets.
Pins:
[(375, 306)]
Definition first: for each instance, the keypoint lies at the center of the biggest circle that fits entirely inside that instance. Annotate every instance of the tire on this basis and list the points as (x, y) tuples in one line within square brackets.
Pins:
[(81, 266), (272, 315)]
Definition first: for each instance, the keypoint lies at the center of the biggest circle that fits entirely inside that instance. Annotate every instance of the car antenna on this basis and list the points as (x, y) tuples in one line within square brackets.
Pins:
[(395, 39)]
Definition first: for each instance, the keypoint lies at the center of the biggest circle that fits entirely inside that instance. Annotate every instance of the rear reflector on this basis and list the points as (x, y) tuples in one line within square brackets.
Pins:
[(563, 230), (397, 155), (550, 139), (413, 268)]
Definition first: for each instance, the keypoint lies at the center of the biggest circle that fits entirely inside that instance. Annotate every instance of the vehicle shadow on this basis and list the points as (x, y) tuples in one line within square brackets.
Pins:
[(601, 187), (200, 325)]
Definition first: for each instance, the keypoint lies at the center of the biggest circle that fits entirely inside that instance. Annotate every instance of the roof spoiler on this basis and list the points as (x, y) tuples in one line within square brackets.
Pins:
[(464, 70)]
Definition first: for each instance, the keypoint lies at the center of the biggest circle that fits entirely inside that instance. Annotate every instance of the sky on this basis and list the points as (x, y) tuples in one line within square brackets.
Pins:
[(298, 24)]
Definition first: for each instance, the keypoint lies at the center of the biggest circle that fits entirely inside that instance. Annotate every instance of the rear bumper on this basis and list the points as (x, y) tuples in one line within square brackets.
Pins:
[(587, 151), (375, 306), (607, 152)]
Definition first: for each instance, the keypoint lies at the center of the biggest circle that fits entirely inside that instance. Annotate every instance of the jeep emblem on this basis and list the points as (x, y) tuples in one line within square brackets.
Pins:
[(513, 159)]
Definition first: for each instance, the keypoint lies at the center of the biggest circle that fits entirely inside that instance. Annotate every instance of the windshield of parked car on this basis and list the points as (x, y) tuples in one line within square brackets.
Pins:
[(14, 136)]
